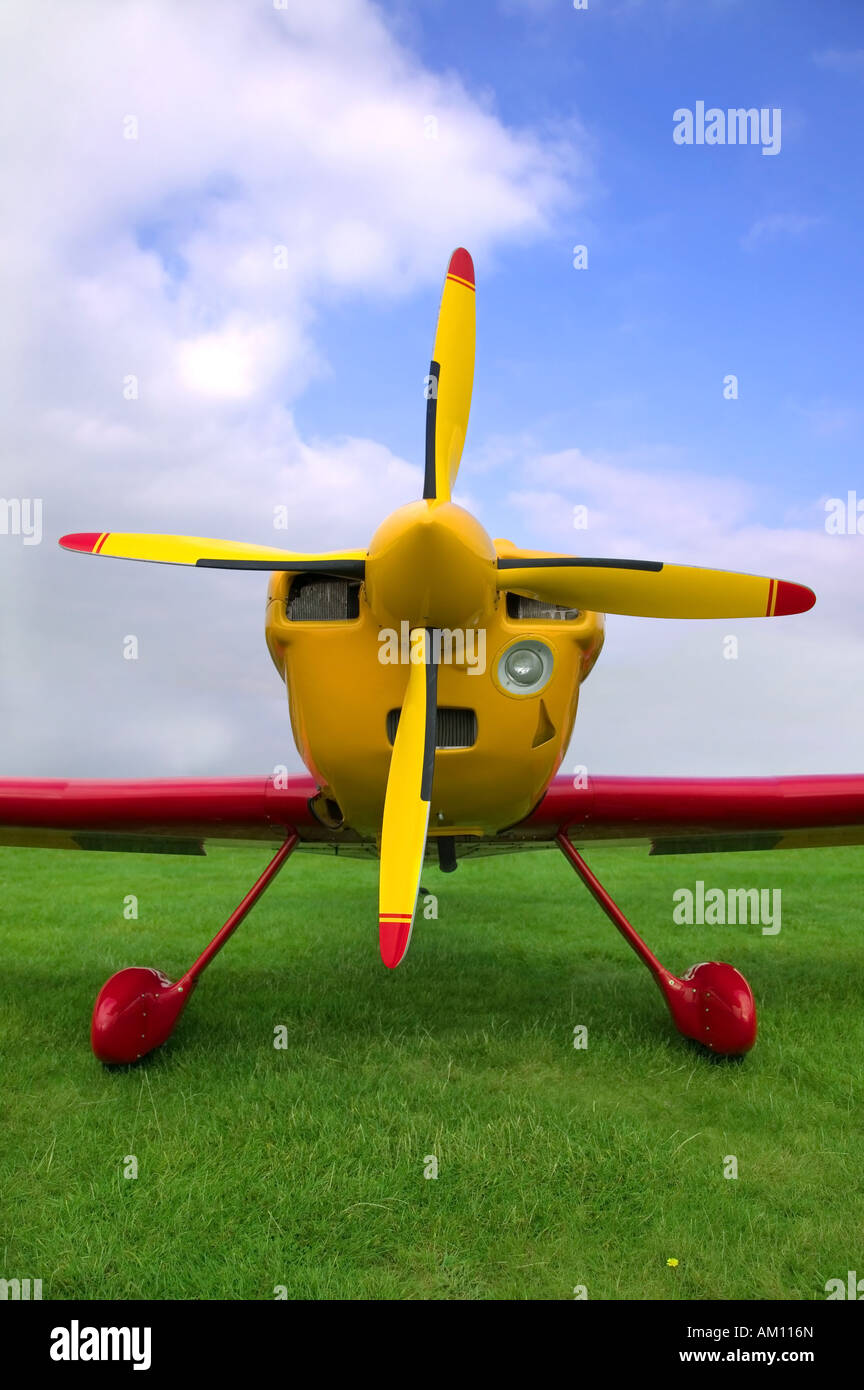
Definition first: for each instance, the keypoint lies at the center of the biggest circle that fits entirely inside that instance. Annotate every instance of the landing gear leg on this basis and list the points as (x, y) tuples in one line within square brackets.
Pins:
[(712, 1003), (136, 1009)]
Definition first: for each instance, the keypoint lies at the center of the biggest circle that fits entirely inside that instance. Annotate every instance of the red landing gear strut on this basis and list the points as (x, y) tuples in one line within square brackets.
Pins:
[(712, 1003), (136, 1009)]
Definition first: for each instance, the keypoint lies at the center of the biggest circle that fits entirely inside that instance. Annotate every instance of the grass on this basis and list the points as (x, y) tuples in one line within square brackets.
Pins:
[(303, 1167)]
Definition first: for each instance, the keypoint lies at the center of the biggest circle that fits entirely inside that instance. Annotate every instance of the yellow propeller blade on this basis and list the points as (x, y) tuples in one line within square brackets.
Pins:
[(406, 804), (451, 377), (212, 554), (648, 589)]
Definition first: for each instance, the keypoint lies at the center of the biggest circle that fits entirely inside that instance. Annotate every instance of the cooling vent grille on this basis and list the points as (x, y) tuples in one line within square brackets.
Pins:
[(455, 728), (322, 599), (518, 606)]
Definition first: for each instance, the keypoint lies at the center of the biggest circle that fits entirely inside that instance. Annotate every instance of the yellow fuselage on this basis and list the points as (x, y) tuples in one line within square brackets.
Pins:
[(430, 564)]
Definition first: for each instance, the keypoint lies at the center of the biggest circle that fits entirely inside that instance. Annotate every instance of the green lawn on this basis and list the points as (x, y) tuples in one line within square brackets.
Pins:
[(304, 1167)]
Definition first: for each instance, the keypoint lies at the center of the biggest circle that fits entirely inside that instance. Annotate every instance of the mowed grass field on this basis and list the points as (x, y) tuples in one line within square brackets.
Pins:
[(303, 1167)]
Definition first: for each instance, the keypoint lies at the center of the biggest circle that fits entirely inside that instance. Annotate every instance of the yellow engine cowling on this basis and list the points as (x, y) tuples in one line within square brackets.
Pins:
[(340, 693)]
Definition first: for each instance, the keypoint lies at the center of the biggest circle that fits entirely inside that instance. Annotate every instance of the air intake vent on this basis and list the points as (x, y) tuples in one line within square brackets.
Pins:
[(456, 728), (518, 606), (318, 598)]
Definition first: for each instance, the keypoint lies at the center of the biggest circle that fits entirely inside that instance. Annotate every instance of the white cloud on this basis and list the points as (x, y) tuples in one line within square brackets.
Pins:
[(234, 363), (282, 163)]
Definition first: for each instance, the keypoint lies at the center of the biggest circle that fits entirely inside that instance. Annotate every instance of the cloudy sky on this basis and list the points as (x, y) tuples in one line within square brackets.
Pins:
[(223, 234)]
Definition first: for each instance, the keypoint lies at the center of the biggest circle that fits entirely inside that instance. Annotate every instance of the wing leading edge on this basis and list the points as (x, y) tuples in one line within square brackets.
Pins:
[(163, 816), (692, 815), (669, 815)]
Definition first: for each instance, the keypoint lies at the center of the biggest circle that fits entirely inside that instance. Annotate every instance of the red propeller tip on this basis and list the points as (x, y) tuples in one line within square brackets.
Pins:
[(462, 266), (82, 540), (792, 598), (394, 934)]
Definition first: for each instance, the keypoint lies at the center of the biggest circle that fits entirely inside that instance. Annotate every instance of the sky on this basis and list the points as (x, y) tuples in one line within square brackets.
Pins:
[(224, 229)]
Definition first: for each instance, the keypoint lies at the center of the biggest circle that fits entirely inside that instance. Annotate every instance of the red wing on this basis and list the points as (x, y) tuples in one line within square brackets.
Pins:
[(166, 816), (672, 815), (688, 815)]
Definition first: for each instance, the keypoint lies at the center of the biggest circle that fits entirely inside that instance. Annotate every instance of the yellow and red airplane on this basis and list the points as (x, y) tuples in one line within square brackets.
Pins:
[(433, 679)]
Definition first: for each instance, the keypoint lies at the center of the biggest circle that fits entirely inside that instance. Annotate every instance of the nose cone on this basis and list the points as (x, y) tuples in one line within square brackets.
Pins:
[(432, 564)]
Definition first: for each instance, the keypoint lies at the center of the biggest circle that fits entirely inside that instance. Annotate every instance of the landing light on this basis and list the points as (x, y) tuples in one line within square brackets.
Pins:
[(525, 667)]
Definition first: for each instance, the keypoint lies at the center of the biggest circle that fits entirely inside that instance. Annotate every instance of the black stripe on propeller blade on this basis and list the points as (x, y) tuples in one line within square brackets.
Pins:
[(429, 487), (431, 720), (343, 569), (544, 562)]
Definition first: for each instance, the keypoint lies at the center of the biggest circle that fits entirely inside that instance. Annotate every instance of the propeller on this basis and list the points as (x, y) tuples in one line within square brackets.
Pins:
[(212, 554), (648, 588), (407, 800), (450, 380)]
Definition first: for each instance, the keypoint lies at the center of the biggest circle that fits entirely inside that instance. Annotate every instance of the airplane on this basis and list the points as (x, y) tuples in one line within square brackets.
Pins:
[(416, 748)]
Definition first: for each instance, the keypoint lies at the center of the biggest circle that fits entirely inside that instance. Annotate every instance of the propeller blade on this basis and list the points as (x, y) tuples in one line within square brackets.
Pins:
[(648, 589), (406, 804), (212, 554), (451, 377)]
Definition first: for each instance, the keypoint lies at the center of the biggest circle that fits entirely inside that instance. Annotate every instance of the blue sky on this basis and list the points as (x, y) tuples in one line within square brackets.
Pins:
[(633, 351), (300, 384)]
